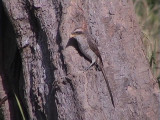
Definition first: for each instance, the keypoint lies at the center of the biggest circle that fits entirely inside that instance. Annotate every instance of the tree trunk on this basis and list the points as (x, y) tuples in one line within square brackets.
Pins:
[(54, 84)]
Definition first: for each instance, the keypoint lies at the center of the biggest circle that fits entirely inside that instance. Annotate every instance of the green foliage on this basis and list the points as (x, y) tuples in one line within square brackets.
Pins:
[(19, 106), (148, 13)]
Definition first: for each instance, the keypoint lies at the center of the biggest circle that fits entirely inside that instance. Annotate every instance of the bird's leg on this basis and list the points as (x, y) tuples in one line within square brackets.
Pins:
[(89, 66), (93, 62)]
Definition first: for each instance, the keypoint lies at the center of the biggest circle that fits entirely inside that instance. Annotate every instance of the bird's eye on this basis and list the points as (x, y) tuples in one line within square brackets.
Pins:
[(78, 32)]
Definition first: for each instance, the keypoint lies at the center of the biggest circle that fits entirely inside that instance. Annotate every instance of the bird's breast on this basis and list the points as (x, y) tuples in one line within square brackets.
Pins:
[(85, 49)]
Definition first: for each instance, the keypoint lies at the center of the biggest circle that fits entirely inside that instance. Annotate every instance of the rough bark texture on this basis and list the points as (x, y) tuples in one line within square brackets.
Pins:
[(55, 83), (5, 108)]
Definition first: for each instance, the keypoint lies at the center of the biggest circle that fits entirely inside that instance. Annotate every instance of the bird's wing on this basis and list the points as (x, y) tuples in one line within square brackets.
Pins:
[(94, 47)]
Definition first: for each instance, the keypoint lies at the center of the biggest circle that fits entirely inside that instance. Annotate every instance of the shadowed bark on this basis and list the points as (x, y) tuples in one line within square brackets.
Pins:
[(5, 109), (54, 84)]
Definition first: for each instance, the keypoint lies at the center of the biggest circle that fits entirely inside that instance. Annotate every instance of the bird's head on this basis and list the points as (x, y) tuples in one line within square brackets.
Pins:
[(76, 32)]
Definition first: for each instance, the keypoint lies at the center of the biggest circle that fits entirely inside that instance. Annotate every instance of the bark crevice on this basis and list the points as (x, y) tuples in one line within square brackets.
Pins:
[(12, 64)]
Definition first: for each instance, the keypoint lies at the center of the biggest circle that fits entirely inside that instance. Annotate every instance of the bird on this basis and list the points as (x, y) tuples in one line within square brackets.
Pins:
[(90, 50)]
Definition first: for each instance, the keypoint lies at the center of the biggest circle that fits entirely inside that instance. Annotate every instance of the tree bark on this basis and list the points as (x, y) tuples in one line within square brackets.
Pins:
[(55, 85), (5, 107)]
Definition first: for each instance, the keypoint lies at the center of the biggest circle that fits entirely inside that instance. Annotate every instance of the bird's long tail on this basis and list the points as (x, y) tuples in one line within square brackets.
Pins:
[(109, 89)]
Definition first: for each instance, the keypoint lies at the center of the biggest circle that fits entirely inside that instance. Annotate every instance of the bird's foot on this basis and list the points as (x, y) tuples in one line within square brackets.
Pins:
[(86, 69)]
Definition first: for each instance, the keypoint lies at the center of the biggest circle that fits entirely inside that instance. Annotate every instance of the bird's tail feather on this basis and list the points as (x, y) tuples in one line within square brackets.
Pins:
[(108, 86)]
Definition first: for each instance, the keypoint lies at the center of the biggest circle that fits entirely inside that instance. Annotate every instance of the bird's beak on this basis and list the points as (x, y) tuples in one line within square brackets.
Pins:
[(72, 35)]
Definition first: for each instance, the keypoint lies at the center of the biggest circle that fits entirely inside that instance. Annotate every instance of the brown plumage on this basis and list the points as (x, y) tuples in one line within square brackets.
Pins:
[(91, 51)]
